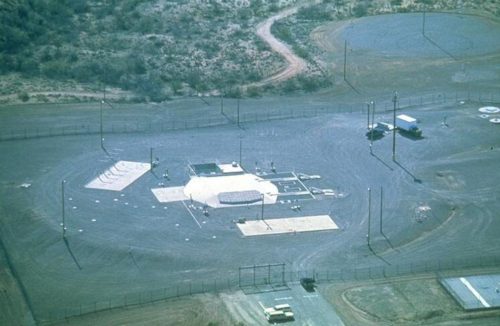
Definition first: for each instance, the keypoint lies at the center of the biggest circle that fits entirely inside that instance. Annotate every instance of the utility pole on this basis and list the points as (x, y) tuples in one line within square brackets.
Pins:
[(221, 104), (395, 101), (373, 125), (368, 115), (241, 145), (238, 111), (100, 124), (423, 24), (345, 59), (369, 214), (63, 210), (381, 207), (151, 159), (262, 212)]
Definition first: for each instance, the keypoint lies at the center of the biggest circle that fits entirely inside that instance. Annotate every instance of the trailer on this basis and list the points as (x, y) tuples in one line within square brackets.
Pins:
[(408, 125)]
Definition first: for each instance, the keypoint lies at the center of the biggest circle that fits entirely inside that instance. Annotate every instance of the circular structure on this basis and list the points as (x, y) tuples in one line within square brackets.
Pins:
[(495, 120), (230, 190), (400, 35), (489, 109)]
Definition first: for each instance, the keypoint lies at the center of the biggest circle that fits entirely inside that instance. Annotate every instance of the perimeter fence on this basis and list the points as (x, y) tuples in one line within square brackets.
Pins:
[(449, 266), (217, 112)]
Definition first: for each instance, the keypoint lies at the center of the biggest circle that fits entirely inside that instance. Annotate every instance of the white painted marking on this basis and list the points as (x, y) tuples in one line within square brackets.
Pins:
[(474, 292), (192, 215), (310, 296), (284, 298)]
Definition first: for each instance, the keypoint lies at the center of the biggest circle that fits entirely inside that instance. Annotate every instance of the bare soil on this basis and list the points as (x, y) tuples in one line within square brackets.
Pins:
[(206, 309), (413, 300)]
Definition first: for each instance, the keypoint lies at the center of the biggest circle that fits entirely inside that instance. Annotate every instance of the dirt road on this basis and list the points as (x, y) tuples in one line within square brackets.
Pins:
[(295, 63)]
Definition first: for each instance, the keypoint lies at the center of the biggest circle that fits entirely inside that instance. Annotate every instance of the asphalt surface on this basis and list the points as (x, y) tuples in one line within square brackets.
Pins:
[(126, 242)]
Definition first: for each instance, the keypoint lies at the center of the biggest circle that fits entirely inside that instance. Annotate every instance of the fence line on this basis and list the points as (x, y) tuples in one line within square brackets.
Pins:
[(259, 115), (220, 285)]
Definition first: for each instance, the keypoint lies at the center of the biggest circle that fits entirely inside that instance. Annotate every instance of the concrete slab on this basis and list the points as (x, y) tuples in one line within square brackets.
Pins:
[(119, 176), (287, 225), (309, 308), (206, 190), (169, 194), (475, 292)]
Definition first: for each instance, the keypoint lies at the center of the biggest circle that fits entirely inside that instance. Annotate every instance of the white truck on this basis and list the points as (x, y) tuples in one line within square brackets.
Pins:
[(279, 313), (409, 125)]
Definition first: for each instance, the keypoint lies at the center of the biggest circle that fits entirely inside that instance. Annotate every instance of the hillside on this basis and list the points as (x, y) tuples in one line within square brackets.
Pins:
[(74, 50)]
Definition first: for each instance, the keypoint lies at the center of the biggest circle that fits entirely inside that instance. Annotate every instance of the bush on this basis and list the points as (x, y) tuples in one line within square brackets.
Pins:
[(316, 13), (360, 10), (23, 96)]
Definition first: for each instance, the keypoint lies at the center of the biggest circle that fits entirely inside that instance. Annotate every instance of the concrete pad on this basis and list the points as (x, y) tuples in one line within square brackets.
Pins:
[(205, 190), (287, 225), (230, 168), (119, 176), (475, 292), (170, 194)]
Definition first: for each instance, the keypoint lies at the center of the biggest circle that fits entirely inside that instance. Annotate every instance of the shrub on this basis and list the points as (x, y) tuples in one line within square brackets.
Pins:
[(23, 96)]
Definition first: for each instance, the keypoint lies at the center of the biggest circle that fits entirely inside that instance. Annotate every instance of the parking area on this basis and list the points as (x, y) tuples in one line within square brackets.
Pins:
[(309, 308)]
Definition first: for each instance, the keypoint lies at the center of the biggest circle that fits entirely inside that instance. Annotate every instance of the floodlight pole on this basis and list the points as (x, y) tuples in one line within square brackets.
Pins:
[(381, 207), (262, 212), (423, 23), (238, 111), (395, 101), (241, 145), (368, 115), (369, 215), (373, 124), (63, 210), (221, 104), (100, 124), (151, 159), (345, 59)]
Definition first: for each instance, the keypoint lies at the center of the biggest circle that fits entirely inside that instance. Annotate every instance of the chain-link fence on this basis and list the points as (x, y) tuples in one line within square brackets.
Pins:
[(224, 112), (383, 271)]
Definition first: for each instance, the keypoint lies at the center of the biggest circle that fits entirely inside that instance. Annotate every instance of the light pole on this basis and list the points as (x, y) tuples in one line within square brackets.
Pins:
[(345, 59), (368, 115), (395, 101), (423, 24), (151, 159), (101, 127), (373, 125), (381, 207), (238, 111), (369, 215), (241, 145), (262, 211), (63, 210), (221, 104)]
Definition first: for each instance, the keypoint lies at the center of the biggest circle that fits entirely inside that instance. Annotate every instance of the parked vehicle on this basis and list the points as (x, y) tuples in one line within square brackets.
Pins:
[(408, 125)]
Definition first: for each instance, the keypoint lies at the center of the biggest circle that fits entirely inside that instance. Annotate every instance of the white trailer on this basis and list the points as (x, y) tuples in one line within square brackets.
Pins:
[(408, 124)]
